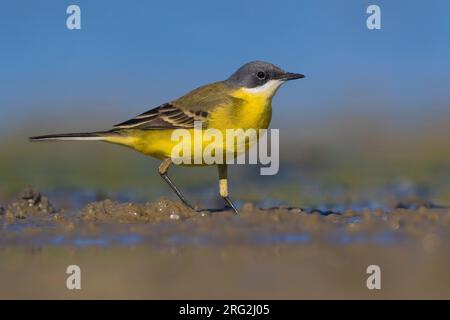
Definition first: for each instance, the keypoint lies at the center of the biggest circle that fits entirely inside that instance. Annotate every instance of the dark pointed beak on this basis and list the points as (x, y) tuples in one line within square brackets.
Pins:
[(290, 76)]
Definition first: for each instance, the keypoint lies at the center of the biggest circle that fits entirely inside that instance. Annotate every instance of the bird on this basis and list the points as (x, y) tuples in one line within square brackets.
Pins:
[(242, 101)]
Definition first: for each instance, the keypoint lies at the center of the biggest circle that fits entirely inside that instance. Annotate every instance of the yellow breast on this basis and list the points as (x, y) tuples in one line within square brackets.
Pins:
[(254, 112)]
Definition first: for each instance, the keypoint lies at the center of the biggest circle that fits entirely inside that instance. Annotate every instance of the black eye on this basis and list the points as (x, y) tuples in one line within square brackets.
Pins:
[(261, 75)]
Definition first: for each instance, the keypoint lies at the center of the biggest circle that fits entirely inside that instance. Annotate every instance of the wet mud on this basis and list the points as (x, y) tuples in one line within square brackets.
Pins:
[(161, 249), (30, 204)]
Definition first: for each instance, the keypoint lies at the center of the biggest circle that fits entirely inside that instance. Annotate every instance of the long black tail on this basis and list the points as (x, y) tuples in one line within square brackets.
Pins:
[(88, 136)]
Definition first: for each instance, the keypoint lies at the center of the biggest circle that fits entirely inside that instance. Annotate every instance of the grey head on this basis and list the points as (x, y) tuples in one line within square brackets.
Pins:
[(257, 73)]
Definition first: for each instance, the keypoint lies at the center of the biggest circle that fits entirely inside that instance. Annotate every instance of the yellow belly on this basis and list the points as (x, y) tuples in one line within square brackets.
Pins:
[(254, 113)]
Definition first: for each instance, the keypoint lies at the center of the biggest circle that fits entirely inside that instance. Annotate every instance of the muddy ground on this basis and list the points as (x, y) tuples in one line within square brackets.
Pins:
[(162, 249)]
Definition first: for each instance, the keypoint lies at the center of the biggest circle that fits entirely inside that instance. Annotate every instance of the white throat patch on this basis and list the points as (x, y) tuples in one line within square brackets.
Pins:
[(269, 88)]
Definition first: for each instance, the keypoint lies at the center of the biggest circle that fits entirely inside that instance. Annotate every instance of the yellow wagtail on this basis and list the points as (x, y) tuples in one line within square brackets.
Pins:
[(243, 101)]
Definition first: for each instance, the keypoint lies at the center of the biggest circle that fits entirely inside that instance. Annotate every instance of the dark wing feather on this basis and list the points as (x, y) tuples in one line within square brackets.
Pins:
[(181, 113), (166, 116)]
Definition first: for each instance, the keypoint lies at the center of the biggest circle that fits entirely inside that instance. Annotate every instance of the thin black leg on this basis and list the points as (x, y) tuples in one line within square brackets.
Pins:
[(163, 168)]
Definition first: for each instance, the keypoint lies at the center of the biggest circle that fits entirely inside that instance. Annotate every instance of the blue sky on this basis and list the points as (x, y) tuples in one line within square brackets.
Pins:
[(130, 56)]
